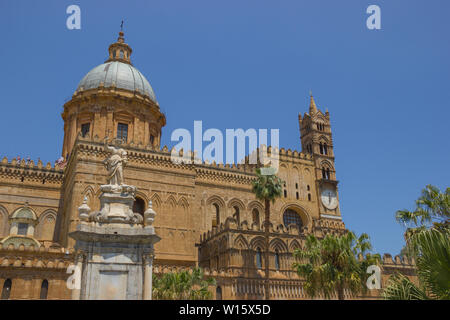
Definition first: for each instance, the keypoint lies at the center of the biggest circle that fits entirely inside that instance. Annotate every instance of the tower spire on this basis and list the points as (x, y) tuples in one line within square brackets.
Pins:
[(312, 104)]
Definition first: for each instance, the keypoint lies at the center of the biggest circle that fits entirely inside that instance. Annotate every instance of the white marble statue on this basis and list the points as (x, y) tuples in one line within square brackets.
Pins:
[(114, 164)]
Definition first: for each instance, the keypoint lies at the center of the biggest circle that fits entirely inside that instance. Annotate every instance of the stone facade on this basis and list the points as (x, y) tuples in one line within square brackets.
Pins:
[(206, 213)]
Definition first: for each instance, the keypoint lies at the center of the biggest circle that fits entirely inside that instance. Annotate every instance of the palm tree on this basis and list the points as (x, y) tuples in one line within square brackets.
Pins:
[(182, 285), (433, 269), (432, 210), (428, 242), (335, 263), (267, 188)]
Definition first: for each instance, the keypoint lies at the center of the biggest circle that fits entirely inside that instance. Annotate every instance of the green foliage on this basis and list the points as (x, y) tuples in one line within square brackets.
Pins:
[(335, 263), (399, 287), (182, 285), (433, 269), (267, 187), (432, 209), (428, 242)]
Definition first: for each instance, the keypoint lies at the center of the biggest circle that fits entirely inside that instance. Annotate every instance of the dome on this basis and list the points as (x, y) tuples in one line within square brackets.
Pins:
[(24, 213), (119, 74)]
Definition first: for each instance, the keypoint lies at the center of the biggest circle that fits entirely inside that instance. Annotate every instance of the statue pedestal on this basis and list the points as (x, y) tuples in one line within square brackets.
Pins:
[(115, 248), (116, 261)]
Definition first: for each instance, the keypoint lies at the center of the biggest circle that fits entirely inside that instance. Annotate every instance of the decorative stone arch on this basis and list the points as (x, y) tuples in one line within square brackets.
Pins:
[(4, 223), (183, 203), (46, 225), (293, 245), (89, 192), (156, 201), (171, 201), (216, 208), (256, 242), (241, 243), (143, 196), (323, 138), (255, 205), (236, 210), (278, 244), (327, 164), (306, 218)]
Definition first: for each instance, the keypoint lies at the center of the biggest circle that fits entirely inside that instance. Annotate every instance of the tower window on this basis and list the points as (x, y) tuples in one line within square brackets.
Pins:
[(325, 148), (122, 131), (309, 196), (296, 185), (308, 187), (296, 195), (321, 148), (85, 129), (324, 174), (328, 174), (121, 54), (152, 139), (22, 229), (285, 193)]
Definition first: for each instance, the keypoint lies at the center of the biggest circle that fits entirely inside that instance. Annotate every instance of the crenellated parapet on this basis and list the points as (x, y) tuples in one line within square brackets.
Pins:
[(44, 257), (31, 171)]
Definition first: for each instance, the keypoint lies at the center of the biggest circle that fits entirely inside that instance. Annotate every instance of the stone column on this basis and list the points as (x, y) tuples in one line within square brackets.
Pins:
[(147, 260), (79, 268)]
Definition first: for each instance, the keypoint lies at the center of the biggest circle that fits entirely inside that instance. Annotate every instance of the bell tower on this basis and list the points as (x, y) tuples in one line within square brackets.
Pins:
[(316, 139)]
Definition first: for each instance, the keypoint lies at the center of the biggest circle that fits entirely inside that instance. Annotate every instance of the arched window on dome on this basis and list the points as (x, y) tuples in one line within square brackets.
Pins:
[(122, 132), (121, 55), (292, 217)]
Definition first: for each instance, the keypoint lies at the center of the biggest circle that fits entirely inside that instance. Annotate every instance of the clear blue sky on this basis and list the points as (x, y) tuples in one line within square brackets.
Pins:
[(251, 64)]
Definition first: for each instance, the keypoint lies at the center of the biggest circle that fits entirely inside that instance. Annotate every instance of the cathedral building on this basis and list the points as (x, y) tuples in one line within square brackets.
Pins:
[(207, 215)]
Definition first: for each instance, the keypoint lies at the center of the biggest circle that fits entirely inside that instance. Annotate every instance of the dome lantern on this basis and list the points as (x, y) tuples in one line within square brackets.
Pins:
[(120, 51)]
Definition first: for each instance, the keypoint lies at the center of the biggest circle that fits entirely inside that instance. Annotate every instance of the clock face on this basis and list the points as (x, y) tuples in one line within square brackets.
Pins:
[(329, 198)]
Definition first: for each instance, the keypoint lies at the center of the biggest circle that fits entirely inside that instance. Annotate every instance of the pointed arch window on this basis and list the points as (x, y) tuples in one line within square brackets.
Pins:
[(258, 258), (236, 215), (216, 222), (139, 206), (277, 259), (44, 290), (219, 293), (6, 291), (255, 216)]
